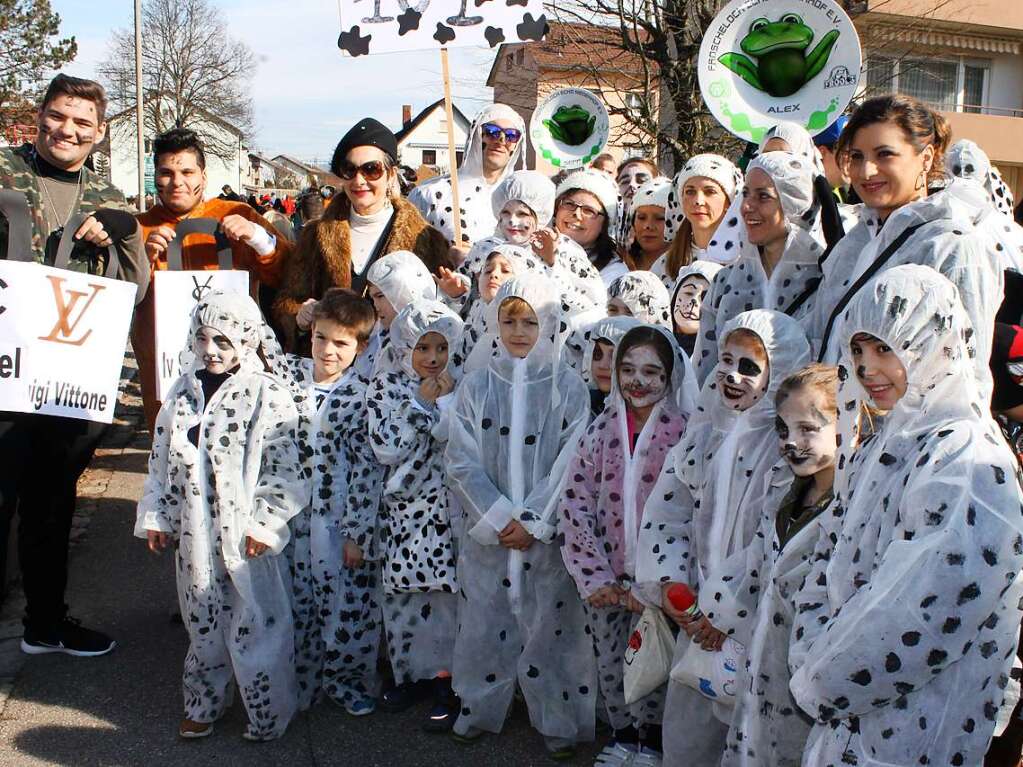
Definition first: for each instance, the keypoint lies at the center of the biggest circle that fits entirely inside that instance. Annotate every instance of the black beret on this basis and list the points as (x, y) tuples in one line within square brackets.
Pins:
[(366, 132)]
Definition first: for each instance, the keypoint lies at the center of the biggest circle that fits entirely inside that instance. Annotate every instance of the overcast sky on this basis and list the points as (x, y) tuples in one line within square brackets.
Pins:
[(306, 94)]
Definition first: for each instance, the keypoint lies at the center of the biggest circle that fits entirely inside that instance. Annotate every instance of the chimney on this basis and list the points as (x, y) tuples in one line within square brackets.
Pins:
[(406, 114)]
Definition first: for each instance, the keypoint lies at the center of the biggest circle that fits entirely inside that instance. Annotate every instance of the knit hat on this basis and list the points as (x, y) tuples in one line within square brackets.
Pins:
[(654, 192), (366, 132), (600, 186), (718, 169)]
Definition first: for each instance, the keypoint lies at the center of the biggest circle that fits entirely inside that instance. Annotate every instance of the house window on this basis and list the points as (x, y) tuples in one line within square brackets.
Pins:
[(429, 157), (633, 103), (458, 158), (949, 84)]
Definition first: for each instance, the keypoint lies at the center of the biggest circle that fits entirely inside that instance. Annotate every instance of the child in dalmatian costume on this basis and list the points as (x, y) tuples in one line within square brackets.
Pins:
[(691, 287), (779, 274), (524, 207), (908, 621), (707, 501), (752, 591), (401, 277), (641, 295), (418, 559), (965, 159), (223, 484), (608, 480), (515, 424), (434, 199), (597, 344)]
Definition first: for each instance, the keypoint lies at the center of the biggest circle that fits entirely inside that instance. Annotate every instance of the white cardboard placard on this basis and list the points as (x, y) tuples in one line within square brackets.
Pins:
[(388, 26), (62, 340), (176, 295)]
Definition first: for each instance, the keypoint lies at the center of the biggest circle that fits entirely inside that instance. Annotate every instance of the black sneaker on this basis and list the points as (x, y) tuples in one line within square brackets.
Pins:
[(68, 637), (403, 697)]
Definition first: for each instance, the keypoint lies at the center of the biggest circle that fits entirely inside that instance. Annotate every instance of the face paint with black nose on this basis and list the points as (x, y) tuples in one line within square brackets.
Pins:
[(743, 372)]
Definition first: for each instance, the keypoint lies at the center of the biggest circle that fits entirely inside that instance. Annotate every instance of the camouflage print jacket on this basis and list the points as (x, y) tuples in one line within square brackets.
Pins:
[(17, 173)]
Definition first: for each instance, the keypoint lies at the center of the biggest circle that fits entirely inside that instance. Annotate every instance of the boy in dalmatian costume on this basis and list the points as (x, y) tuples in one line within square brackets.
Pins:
[(406, 406), (223, 484), (515, 423), (907, 623), (707, 501), (487, 161)]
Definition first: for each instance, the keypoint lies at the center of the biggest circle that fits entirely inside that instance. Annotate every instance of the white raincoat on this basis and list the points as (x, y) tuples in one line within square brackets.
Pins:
[(706, 506), (645, 296), (601, 509), (433, 197), (515, 424), (947, 231), (706, 269), (418, 558), (403, 278), (240, 480), (744, 285), (908, 621)]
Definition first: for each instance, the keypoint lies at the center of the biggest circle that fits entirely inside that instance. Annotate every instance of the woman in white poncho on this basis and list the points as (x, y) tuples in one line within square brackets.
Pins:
[(777, 267), (908, 621), (487, 161), (418, 558), (394, 281), (515, 423), (223, 484), (908, 219), (705, 505)]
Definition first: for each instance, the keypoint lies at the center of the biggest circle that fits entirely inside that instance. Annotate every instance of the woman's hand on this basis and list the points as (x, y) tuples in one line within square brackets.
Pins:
[(157, 541), (630, 603), (605, 596), (352, 555)]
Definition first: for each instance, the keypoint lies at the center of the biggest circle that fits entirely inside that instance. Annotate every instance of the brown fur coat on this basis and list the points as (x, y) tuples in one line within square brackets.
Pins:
[(322, 258)]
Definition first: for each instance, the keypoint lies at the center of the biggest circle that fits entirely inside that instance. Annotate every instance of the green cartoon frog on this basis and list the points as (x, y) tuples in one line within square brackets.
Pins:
[(776, 60), (571, 125)]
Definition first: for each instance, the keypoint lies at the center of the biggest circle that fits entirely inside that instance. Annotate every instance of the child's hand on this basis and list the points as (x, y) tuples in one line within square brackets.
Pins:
[(678, 616), (703, 633), (446, 383), (605, 596), (304, 318), (514, 536), (254, 548), (157, 541), (352, 555), (544, 242), (450, 282), (430, 389), (630, 603)]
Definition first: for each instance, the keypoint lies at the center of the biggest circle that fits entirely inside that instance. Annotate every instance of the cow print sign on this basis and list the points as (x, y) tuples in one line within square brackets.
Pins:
[(387, 26)]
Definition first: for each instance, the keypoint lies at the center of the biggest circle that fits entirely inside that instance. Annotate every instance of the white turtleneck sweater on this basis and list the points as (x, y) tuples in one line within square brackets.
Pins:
[(365, 233)]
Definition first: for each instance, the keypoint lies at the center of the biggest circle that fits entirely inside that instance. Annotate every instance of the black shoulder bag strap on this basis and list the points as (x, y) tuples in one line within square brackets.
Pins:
[(67, 244), (864, 278), (14, 207), (210, 226), (359, 278), (834, 231)]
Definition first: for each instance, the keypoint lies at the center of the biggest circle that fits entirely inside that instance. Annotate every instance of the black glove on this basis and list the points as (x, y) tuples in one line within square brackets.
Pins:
[(117, 223)]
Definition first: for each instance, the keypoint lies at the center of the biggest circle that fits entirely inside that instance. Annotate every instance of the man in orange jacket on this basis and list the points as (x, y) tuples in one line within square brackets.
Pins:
[(257, 247)]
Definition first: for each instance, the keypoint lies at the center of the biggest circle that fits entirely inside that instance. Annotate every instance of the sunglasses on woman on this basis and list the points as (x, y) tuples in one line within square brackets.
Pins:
[(494, 132), (371, 171)]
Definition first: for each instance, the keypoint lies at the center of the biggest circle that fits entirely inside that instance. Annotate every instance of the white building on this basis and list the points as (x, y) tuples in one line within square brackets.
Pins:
[(120, 147), (423, 139)]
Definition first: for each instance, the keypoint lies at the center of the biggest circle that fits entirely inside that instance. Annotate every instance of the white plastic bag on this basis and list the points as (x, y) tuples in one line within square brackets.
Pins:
[(648, 656), (712, 674)]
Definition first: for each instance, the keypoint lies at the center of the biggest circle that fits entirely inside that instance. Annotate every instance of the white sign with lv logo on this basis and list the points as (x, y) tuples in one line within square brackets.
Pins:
[(176, 294), (62, 339)]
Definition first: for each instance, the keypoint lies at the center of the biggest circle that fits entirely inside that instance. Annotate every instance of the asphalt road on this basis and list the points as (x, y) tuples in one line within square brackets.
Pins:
[(123, 709)]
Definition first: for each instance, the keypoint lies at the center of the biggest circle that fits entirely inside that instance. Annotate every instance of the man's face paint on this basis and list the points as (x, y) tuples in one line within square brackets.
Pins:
[(642, 377), (807, 432), (517, 222), (743, 372)]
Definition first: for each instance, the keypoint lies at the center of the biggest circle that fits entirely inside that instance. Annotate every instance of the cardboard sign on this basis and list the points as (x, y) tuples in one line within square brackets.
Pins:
[(62, 340), (386, 26), (766, 61), (176, 295), (570, 128)]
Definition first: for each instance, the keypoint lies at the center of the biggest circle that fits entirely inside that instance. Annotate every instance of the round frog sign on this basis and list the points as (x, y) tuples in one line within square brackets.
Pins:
[(765, 61), (570, 128)]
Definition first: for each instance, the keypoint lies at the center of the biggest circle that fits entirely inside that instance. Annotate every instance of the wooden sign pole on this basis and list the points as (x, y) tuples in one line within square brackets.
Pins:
[(456, 210)]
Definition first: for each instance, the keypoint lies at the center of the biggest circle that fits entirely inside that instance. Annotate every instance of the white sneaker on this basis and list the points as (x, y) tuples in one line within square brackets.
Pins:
[(616, 755)]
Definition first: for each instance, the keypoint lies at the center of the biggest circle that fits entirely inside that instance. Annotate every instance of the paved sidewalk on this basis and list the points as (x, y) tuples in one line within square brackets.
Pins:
[(123, 709)]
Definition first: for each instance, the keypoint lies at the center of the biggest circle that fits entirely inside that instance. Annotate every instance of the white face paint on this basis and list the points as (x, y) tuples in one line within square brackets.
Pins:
[(642, 377), (216, 351), (517, 223), (806, 432), (743, 372), (688, 302), (631, 178)]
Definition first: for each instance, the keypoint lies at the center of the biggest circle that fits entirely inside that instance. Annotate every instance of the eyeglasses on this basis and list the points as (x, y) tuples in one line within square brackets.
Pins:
[(494, 132), (585, 211), (371, 171)]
